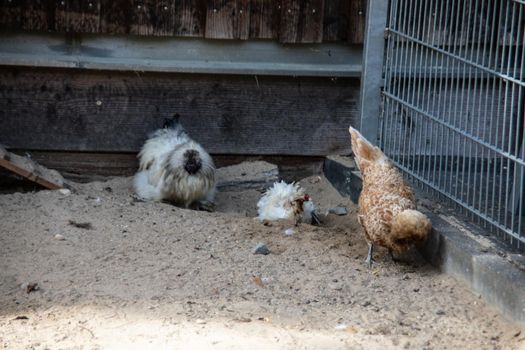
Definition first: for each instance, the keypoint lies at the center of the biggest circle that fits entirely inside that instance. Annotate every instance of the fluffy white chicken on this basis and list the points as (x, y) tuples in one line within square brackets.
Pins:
[(175, 168), (287, 202)]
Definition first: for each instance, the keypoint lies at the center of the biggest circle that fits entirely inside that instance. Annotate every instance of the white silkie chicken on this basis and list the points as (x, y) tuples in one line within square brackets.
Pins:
[(176, 169), (287, 202)]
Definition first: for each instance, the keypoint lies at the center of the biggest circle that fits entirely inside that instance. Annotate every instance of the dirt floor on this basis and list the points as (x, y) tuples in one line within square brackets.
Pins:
[(114, 273)]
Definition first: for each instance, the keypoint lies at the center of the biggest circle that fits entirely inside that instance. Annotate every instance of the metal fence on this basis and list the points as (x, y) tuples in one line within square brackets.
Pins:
[(453, 104)]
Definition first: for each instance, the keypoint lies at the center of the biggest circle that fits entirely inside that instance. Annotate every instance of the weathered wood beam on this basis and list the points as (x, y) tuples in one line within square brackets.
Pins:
[(301, 21), (89, 166), (66, 110), (138, 54), (31, 170)]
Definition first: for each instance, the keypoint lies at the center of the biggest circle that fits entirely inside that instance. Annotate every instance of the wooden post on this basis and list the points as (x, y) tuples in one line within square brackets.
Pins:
[(372, 76)]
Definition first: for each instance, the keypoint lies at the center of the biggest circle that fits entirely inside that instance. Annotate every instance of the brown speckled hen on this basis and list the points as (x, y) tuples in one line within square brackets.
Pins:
[(387, 204)]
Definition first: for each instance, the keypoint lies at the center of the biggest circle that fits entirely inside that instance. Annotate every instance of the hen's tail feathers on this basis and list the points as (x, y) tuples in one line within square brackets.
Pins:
[(143, 188), (365, 153), (410, 226), (173, 122)]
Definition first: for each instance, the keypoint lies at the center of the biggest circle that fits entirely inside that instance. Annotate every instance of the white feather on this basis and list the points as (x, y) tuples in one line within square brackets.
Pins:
[(159, 144), (144, 189)]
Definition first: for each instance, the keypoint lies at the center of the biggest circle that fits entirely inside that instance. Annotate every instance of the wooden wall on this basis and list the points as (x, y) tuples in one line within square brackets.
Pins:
[(96, 111), (94, 121), (289, 21)]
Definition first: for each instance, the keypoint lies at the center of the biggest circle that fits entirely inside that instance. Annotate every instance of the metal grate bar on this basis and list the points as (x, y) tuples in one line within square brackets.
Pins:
[(454, 199), (454, 104), (459, 58), (455, 129)]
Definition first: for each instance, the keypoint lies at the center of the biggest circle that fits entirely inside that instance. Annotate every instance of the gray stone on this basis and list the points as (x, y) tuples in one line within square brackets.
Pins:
[(339, 210), (261, 248)]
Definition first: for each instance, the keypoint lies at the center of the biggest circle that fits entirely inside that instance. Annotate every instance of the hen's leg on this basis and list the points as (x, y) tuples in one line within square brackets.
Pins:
[(135, 198), (202, 206), (369, 259)]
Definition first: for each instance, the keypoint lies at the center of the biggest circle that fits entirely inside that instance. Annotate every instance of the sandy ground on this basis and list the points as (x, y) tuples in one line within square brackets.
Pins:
[(149, 275)]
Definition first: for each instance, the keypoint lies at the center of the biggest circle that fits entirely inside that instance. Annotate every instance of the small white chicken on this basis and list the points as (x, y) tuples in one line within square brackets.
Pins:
[(287, 202), (175, 168)]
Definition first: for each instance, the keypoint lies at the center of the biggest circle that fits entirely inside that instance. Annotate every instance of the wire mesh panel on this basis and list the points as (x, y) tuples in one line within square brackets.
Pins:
[(454, 101)]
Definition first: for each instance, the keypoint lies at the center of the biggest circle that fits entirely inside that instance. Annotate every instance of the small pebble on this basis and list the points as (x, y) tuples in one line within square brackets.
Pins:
[(315, 180), (440, 312), (341, 327), (339, 210), (200, 321), (21, 318), (289, 232), (30, 287), (64, 191), (261, 248), (59, 237)]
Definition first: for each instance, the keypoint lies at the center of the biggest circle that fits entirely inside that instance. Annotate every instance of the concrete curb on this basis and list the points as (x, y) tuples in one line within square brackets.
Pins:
[(456, 248)]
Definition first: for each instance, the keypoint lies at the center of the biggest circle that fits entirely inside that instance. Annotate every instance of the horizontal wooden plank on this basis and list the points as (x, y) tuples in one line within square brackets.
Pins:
[(27, 168), (105, 111), (457, 23), (134, 53), (89, 166), (218, 19)]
